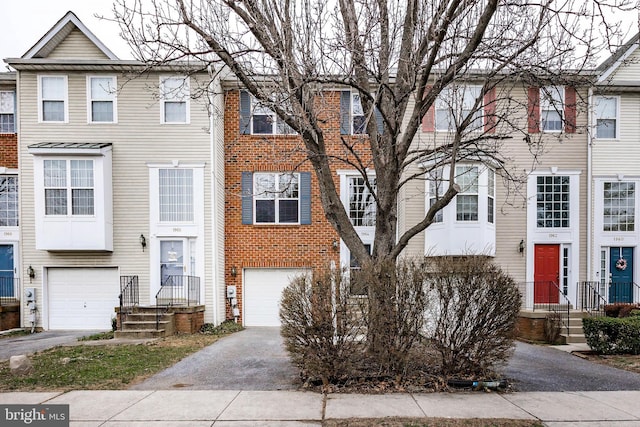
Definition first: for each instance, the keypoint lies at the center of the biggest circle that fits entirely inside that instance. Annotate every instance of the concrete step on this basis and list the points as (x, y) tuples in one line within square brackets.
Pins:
[(131, 325), (141, 333), (147, 317), (573, 338)]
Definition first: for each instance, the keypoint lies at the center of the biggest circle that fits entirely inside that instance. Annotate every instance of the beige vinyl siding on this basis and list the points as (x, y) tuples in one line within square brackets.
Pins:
[(562, 151), (77, 46), (628, 69), (621, 156), (138, 138)]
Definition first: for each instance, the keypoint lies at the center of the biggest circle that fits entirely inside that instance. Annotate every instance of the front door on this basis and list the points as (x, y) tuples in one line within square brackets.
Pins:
[(6, 271), (621, 275), (172, 260), (546, 274)]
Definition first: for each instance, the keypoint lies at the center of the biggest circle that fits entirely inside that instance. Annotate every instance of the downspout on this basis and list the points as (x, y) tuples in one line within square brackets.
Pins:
[(589, 179), (214, 212)]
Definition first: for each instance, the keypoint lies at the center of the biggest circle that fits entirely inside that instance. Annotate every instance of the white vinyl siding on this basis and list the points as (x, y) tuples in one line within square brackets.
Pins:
[(101, 103), (53, 99)]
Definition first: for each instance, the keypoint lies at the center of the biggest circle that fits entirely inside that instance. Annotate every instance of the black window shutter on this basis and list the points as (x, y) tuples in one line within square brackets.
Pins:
[(345, 109), (305, 198), (245, 113), (247, 198)]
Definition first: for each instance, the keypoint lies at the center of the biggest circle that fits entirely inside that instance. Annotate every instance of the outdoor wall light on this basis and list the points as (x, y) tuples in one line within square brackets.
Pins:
[(334, 245), (521, 246), (31, 273), (143, 242), (234, 271)]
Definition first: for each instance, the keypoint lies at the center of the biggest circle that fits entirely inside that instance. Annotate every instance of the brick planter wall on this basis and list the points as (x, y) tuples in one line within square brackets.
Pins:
[(531, 325), (9, 316), (188, 320)]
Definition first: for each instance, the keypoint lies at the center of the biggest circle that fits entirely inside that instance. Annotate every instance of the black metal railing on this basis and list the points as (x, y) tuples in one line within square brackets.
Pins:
[(548, 296), (590, 299), (177, 291), (129, 296), (8, 289), (623, 292)]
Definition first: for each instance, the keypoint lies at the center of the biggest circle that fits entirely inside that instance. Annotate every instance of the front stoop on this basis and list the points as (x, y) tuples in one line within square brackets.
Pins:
[(141, 323), (576, 333)]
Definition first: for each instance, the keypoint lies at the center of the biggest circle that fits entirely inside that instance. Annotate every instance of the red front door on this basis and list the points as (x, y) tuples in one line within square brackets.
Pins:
[(546, 274)]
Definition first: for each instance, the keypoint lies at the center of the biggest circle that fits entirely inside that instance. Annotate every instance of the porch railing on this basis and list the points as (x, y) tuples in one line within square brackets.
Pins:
[(548, 296), (8, 288), (177, 291), (594, 296), (129, 296)]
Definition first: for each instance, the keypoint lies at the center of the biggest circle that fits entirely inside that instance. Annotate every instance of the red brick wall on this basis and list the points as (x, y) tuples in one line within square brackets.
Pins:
[(9, 150), (284, 246)]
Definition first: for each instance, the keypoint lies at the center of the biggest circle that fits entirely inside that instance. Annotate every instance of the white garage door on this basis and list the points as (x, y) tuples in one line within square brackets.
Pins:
[(82, 298), (262, 292)]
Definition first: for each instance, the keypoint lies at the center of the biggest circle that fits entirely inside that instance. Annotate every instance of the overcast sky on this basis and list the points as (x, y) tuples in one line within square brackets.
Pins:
[(25, 21)]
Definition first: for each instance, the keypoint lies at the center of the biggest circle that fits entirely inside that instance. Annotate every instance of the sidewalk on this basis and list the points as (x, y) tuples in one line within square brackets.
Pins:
[(292, 408)]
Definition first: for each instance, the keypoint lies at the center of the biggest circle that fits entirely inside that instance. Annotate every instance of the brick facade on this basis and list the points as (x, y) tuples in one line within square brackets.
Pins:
[(9, 150), (276, 246)]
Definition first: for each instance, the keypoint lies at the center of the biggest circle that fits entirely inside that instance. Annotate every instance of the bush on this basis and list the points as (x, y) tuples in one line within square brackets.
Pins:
[(473, 321), (226, 327), (321, 326), (610, 335), (620, 309)]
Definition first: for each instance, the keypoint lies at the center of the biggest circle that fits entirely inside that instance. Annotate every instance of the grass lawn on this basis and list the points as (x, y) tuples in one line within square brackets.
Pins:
[(628, 362), (104, 367)]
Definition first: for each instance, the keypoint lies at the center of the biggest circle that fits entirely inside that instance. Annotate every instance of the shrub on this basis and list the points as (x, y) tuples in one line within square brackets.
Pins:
[(473, 320), (610, 335), (620, 309), (226, 327), (321, 326)]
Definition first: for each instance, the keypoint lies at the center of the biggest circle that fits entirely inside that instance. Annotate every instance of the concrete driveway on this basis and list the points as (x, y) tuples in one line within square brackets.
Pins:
[(252, 359), (28, 344)]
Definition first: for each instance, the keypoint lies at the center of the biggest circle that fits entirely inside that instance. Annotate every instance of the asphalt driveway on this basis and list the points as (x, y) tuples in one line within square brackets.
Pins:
[(252, 359)]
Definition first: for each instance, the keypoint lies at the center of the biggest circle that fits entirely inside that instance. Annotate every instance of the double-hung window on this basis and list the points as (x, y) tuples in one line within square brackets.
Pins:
[(276, 198), (102, 99), (53, 99), (68, 183), (8, 201), (491, 195), (551, 108), (358, 122), (467, 199), (606, 111), (7, 112), (619, 200), (174, 94), (362, 203), (436, 190), (553, 205), (265, 121), (175, 195), (455, 104)]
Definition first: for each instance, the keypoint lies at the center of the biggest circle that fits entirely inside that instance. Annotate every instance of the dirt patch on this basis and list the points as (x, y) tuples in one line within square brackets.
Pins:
[(627, 362), (425, 422)]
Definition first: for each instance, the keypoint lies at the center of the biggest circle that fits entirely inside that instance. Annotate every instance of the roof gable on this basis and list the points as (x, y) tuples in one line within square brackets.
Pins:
[(609, 67), (55, 37)]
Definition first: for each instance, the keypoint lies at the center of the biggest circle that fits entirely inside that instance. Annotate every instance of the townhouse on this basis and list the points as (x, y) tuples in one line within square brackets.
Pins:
[(119, 182), (10, 273)]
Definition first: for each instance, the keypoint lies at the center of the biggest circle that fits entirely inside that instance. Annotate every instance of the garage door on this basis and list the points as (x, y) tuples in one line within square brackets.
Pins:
[(262, 292), (82, 298)]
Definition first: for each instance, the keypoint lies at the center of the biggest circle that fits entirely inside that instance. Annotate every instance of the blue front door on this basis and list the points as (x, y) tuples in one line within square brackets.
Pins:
[(621, 275), (6, 271)]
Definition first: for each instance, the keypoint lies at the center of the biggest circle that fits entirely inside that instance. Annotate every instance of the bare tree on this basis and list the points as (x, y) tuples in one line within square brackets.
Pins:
[(401, 57)]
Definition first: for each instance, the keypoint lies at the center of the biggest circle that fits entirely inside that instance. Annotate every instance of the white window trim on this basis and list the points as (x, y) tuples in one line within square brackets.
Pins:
[(352, 115), (113, 100), (480, 111), (69, 188), (13, 112), (65, 100), (617, 118), (480, 169), (187, 83), (277, 174), (274, 119), (563, 119)]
